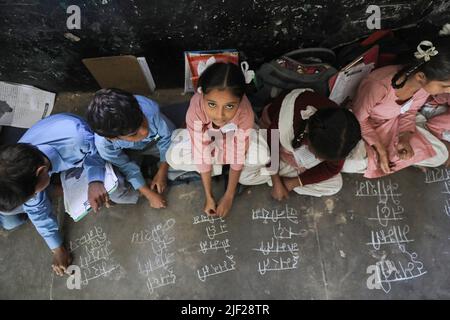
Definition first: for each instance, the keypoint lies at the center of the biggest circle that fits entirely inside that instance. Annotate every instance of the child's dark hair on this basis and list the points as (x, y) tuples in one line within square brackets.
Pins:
[(18, 166), (223, 76), (332, 133), (436, 68), (113, 113)]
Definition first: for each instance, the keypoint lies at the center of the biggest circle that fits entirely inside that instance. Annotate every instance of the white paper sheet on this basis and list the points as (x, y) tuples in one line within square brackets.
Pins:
[(305, 158), (147, 73), (22, 106), (75, 186)]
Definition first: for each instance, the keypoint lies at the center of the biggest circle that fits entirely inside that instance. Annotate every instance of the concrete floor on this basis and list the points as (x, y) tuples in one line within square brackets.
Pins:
[(304, 248)]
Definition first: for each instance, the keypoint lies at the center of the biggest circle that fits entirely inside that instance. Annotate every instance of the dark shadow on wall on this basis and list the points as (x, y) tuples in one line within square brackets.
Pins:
[(35, 50)]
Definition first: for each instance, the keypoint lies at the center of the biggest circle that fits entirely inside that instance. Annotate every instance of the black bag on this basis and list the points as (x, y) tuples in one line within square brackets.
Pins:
[(302, 68)]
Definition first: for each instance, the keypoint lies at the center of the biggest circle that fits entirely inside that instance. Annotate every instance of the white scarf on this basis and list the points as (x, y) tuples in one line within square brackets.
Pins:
[(286, 118)]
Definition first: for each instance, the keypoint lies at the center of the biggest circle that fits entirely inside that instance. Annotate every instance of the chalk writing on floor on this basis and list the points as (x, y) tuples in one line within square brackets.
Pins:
[(95, 256), (281, 251), (215, 230), (389, 235), (157, 262), (433, 175)]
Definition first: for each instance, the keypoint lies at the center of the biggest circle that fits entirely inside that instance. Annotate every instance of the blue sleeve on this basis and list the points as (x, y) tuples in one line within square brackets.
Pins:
[(164, 128), (119, 158), (93, 162), (95, 167), (39, 210)]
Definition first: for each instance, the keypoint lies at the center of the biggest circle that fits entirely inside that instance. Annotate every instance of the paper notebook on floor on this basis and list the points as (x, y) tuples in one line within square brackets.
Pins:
[(123, 72), (75, 187)]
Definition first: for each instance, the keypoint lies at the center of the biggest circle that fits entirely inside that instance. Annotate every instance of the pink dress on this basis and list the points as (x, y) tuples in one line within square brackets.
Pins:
[(382, 119), (244, 121), (441, 123)]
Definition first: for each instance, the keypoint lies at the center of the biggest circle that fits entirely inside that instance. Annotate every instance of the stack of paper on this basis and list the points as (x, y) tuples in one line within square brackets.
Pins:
[(22, 106)]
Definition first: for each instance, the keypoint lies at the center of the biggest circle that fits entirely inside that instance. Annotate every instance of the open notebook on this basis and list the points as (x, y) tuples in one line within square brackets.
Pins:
[(123, 72), (75, 186)]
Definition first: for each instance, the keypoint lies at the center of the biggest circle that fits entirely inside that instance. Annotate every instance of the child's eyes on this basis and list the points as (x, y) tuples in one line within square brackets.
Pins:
[(213, 105)]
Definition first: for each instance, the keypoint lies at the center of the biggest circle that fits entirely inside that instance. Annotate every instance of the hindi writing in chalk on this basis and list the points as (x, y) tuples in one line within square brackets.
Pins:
[(433, 175), (390, 233), (216, 230), (281, 251), (157, 262), (95, 255)]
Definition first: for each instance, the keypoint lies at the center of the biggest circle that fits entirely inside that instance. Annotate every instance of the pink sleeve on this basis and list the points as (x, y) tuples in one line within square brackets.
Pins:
[(246, 122), (194, 120), (407, 122), (369, 94)]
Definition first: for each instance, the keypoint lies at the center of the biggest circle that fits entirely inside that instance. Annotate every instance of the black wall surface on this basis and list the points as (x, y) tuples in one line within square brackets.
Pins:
[(34, 50)]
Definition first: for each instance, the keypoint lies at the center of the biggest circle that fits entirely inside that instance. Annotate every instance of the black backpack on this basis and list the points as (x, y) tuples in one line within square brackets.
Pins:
[(302, 68)]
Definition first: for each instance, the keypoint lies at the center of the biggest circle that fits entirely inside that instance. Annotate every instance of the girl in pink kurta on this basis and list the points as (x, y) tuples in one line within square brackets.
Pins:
[(386, 105), (219, 123)]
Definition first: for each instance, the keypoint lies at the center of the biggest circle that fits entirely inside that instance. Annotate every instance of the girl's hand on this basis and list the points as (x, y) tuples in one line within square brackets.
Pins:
[(383, 159), (404, 149), (210, 206), (225, 205), (290, 183)]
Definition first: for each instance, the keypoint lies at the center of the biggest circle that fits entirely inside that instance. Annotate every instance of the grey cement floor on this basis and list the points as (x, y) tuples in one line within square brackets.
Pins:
[(304, 248)]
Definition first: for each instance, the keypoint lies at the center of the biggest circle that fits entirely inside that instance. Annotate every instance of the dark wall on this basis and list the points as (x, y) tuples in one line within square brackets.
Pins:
[(34, 50)]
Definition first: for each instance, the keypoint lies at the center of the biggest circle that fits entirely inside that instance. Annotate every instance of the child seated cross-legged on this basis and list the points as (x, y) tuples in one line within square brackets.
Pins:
[(387, 104), (220, 124), (127, 127), (312, 136)]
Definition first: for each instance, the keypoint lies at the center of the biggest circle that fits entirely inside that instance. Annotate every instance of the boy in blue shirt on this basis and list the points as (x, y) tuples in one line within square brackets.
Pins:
[(125, 124), (54, 144)]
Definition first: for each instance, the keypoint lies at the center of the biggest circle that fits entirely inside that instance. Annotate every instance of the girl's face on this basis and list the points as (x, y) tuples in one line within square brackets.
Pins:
[(140, 134), (220, 106), (433, 87)]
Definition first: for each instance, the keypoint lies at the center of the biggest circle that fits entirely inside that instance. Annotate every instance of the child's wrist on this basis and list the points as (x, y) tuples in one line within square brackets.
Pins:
[(229, 194)]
